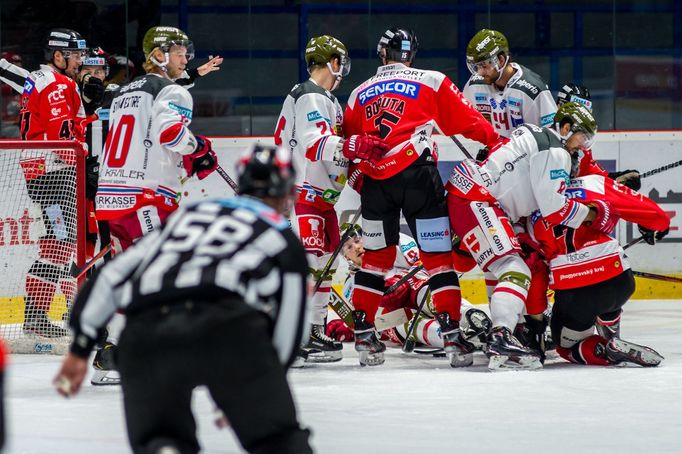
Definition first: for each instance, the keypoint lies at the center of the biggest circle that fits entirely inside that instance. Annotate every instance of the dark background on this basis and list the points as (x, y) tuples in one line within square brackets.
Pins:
[(627, 52)]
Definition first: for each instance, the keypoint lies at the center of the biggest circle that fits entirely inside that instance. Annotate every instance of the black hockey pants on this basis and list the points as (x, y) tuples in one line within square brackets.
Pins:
[(578, 308), (164, 353)]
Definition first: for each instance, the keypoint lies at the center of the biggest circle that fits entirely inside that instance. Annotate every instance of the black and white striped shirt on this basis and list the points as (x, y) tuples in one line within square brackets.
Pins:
[(210, 251)]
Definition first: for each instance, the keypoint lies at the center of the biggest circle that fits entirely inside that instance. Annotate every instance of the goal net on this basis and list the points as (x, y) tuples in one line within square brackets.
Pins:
[(42, 239)]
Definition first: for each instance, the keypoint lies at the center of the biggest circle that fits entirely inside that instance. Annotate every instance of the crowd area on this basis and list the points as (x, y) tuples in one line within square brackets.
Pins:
[(185, 290)]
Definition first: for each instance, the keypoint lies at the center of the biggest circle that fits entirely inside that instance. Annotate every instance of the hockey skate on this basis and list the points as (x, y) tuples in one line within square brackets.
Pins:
[(506, 352), (367, 344), (532, 334), (37, 323), (619, 351), (476, 327), (458, 350), (104, 366), (299, 360), (321, 348)]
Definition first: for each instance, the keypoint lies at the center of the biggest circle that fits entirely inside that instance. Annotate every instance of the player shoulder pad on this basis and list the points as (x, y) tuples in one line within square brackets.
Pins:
[(38, 80), (544, 138), (530, 83), (476, 80), (310, 87), (260, 209), (148, 83)]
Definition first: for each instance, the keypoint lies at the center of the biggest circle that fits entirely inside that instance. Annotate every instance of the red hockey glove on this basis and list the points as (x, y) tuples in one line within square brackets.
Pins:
[(528, 244), (365, 148), (606, 216), (338, 330), (203, 161)]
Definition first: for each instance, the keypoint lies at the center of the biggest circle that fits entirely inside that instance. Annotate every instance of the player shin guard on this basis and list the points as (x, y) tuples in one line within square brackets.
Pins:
[(590, 351), (369, 281), (443, 283)]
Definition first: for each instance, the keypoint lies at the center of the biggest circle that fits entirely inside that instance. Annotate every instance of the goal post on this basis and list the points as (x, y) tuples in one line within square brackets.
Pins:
[(42, 235)]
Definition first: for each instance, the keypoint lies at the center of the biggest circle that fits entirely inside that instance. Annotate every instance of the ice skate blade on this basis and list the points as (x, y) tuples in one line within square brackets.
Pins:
[(371, 359), (298, 363), (105, 378), (324, 356), (620, 351), (460, 359), (504, 362)]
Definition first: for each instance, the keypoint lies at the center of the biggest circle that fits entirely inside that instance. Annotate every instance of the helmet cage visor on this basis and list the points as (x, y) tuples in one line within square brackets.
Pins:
[(187, 44), (490, 62)]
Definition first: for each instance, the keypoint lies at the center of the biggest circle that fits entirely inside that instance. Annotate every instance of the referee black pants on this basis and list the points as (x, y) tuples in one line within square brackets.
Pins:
[(164, 356)]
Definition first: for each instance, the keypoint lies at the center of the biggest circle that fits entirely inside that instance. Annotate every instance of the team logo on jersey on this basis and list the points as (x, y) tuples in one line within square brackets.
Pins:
[(29, 85), (559, 174), (314, 115), (502, 104), (398, 87), (547, 120), (575, 194), (184, 111)]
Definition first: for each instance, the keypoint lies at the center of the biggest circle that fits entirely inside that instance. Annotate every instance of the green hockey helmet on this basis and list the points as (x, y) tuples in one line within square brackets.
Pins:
[(484, 48), (165, 38), (580, 118), (320, 50)]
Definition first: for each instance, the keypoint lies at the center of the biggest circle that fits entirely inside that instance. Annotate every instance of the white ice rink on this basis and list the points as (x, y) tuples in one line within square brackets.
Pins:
[(411, 404)]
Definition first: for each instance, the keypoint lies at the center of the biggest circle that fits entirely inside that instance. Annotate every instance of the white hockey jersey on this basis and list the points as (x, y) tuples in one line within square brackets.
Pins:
[(310, 126), (528, 173), (525, 99), (148, 134)]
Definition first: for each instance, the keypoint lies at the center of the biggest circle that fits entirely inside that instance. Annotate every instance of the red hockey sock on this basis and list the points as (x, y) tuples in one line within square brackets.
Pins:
[(588, 351)]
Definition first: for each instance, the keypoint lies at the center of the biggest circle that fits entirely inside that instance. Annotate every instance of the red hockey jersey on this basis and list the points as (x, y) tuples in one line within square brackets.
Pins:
[(404, 106), (51, 107), (584, 256)]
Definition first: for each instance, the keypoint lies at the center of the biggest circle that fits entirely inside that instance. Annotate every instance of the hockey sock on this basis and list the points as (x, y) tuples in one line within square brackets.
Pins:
[(318, 304), (367, 293), (443, 282), (590, 351), (40, 293)]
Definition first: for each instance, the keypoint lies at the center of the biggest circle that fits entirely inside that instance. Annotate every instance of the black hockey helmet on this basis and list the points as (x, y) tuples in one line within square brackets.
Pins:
[(398, 44), (574, 93), (65, 40), (266, 171)]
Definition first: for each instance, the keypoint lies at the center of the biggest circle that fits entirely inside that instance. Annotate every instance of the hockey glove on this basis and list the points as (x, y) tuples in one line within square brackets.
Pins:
[(482, 154), (92, 90), (203, 161), (606, 216), (528, 244), (651, 236), (629, 178), (91, 176), (364, 148), (337, 330)]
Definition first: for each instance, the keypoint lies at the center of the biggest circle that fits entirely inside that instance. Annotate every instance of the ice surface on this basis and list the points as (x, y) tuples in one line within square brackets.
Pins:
[(411, 404)]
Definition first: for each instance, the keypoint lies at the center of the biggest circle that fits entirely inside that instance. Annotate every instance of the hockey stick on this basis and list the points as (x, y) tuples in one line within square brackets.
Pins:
[(461, 147), (79, 273), (660, 169), (228, 179), (405, 278), (409, 344), (341, 307), (330, 262), (658, 277), (633, 242)]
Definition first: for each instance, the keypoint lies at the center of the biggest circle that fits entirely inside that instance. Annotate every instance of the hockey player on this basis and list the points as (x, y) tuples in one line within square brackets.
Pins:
[(405, 106), (12, 75), (526, 174), (310, 125), (149, 147), (506, 93), (222, 277), (51, 109), (148, 150), (587, 164), (408, 296), (591, 276)]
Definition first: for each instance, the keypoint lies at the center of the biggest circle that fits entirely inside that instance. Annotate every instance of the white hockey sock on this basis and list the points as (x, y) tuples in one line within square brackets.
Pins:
[(318, 305), (115, 326)]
